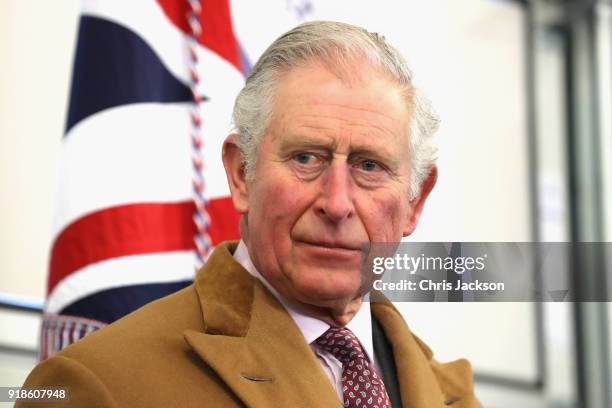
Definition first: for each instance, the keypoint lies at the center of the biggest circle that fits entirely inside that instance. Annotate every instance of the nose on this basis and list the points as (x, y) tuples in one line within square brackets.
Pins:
[(335, 201)]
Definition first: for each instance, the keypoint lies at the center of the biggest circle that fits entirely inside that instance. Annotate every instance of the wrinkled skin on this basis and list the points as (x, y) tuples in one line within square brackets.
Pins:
[(332, 174)]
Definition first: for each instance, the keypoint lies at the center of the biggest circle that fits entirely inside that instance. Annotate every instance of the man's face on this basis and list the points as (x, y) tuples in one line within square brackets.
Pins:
[(332, 174)]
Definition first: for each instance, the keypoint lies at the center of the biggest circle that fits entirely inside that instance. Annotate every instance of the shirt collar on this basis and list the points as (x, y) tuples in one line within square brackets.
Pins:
[(312, 328)]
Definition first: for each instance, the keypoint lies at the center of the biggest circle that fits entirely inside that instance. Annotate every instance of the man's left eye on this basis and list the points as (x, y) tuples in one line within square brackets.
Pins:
[(369, 165)]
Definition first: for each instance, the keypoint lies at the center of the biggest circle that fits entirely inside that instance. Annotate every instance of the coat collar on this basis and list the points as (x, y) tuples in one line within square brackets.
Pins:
[(252, 342), (256, 348)]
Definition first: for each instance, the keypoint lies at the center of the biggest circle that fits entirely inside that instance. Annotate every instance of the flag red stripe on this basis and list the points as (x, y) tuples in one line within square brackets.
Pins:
[(217, 30), (133, 230)]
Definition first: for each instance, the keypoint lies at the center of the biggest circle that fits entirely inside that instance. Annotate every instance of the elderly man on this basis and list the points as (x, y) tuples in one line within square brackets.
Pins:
[(332, 151)]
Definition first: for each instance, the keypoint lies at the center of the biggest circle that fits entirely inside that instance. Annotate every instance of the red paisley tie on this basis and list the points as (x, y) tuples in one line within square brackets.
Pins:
[(362, 387)]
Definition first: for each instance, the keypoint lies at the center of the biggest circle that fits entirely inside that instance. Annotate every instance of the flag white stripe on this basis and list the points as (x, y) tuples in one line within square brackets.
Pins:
[(117, 272), (134, 154)]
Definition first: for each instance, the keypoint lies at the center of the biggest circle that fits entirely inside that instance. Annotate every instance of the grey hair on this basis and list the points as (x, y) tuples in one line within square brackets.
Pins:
[(336, 45)]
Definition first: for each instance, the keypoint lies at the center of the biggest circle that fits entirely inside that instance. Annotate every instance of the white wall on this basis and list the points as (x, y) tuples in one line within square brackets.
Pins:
[(36, 46)]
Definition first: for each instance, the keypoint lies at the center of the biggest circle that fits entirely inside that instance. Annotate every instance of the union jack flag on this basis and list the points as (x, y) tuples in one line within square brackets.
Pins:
[(142, 194)]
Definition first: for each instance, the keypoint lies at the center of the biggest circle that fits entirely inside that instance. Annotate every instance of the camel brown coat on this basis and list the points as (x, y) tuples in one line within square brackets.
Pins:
[(225, 341)]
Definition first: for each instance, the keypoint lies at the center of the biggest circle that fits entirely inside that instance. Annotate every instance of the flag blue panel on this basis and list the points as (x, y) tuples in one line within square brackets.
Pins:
[(114, 66), (112, 304)]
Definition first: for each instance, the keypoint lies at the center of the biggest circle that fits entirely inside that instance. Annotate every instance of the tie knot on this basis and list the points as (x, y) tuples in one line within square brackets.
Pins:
[(341, 343)]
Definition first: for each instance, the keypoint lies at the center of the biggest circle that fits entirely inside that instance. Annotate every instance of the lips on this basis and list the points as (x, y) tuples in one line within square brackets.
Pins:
[(338, 245)]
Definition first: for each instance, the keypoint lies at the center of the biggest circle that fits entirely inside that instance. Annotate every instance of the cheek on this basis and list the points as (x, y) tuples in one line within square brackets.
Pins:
[(283, 200), (386, 218), (278, 203), (282, 192)]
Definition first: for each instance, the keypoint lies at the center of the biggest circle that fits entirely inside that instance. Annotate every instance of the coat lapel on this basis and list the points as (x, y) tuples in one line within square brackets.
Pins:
[(418, 384), (251, 341)]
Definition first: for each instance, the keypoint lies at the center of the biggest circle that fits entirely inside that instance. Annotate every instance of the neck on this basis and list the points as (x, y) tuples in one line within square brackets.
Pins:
[(336, 314)]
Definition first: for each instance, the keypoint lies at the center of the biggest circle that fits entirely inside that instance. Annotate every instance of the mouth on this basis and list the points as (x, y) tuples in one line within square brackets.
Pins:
[(331, 246)]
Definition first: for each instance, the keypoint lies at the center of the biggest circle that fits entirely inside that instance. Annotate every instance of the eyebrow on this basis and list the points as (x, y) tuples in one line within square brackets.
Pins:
[(303, 141)]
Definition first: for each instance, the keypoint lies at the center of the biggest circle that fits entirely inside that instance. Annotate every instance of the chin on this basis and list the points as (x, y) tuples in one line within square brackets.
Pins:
[(315, 292)]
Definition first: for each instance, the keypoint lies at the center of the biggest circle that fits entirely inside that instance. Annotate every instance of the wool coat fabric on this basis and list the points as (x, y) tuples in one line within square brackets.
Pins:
[(225, 341)]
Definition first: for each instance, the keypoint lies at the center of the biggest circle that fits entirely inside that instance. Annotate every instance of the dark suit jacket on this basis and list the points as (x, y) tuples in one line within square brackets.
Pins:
[(225, 341)]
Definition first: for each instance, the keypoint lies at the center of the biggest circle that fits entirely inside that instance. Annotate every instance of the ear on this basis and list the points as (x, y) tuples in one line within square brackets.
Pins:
[(236, 178), (416, 205)]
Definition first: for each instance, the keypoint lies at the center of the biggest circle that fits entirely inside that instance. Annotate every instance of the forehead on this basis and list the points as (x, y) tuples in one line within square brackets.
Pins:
[(363, 105)]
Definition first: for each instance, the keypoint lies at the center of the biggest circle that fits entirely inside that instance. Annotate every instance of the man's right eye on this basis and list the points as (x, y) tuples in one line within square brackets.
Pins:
[(305, 158)]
